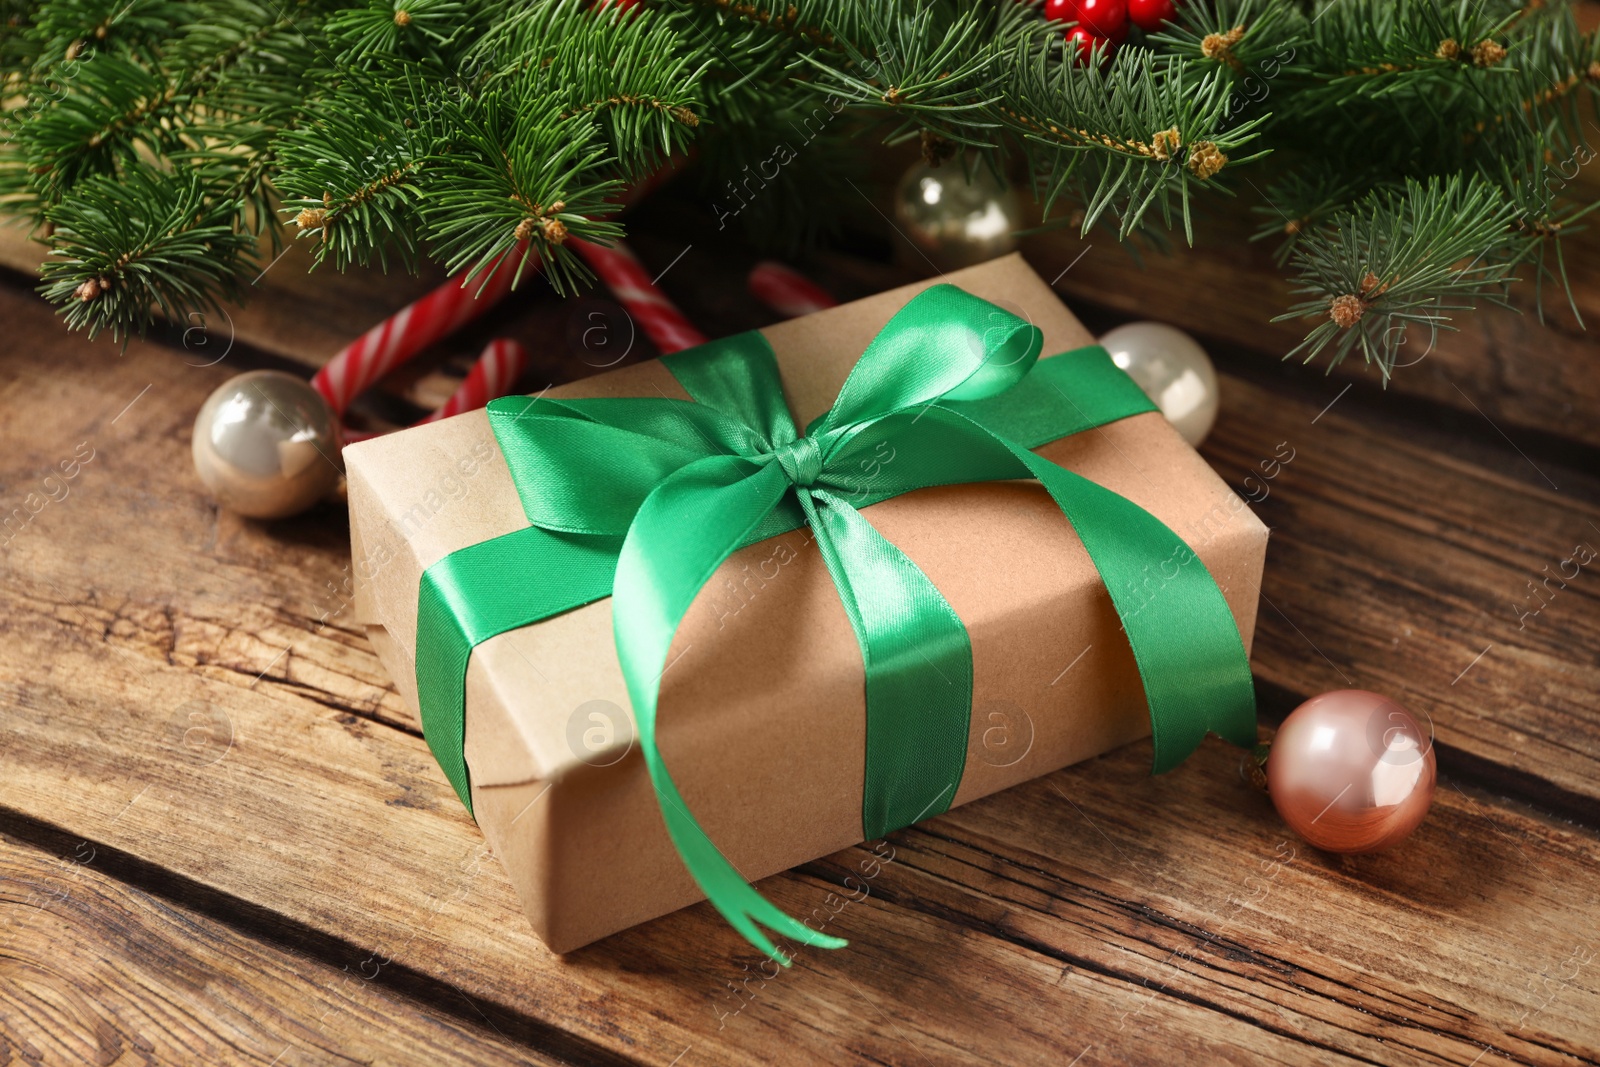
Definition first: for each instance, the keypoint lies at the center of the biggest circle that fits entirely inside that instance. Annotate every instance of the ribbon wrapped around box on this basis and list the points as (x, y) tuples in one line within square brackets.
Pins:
[(975, 565)]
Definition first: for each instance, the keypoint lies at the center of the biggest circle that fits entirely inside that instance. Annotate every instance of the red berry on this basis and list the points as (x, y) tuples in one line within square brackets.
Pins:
[(1103, 18), (1061, 10), (1081, 44), (1148, 15)]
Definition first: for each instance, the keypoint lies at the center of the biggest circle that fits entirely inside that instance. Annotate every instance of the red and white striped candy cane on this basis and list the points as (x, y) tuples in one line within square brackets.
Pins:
[(787, 291), (360, 364), (628, 281), (498, 367), (364, 361)]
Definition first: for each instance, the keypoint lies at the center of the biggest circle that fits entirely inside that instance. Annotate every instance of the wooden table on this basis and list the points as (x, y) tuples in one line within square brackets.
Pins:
[(222, 838)]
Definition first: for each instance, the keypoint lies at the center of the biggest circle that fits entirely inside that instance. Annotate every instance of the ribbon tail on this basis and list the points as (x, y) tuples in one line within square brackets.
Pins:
[(1190, 656), (684, 530), (1185, 642), (918, 661)]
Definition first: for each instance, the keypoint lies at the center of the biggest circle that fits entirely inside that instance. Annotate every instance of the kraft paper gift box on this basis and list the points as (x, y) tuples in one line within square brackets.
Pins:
[(762, 708)]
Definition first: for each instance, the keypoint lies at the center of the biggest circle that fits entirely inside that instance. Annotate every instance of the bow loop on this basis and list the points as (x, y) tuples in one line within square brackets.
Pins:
[(945, 344), (585, 466)]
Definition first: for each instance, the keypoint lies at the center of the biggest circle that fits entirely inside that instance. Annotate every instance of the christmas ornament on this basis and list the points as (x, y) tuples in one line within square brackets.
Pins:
[(1172, 369), (1081, 43), (1103, 18), (953, 221), (1099, 22), (267, 445), (229, 460), (787, 292), (1149, 15), (1351, 771)]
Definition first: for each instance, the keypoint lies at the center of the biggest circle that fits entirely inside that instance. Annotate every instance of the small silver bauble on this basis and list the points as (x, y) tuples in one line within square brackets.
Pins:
[(954, 222), (1173, 370), (266, 445)]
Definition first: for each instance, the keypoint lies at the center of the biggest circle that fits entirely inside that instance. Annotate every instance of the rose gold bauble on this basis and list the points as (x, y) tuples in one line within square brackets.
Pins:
[(1351, 771)]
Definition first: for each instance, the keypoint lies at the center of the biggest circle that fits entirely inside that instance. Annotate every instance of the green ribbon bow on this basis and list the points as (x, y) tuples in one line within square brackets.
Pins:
[(642, 499)]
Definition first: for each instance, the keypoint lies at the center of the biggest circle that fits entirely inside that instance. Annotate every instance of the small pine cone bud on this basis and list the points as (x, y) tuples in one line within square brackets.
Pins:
[(1448, 49), (556, 207), (1206, 159), (1164, 143), (555, 231), (524, 230), (1292, 227), (936, 149), (1372, 286), (1487, 53), (311, 218), (1346, 310), (1219, 46), (684, 116), (402, 18), (1593, 73), (87, 291)]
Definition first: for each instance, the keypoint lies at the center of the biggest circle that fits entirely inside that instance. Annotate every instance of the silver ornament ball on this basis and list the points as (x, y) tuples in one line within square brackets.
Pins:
[(266, 445), (1173, 370), (956, 222)]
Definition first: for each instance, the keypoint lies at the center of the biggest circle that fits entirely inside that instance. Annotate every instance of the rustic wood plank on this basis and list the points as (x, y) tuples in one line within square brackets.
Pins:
[(1400, 563), (132, 577), (97, 971)]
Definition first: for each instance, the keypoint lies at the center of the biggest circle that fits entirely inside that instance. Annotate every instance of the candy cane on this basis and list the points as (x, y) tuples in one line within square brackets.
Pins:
[(788, 292), (628, 281), (364, 361), (496, 370)]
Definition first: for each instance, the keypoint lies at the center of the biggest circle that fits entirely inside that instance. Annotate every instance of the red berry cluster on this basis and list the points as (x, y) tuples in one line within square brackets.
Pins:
[(1106, 21)]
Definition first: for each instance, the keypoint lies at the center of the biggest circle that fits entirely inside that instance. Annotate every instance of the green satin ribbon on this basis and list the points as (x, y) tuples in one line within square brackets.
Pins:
[(641, 499)]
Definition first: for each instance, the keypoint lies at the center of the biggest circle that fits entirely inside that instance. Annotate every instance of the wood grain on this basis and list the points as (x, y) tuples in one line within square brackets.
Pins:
[(1399, 564), (181, 688), (96, 971)]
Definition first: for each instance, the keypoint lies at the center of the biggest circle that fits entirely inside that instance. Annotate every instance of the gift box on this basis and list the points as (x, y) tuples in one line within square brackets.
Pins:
[(763, 708)]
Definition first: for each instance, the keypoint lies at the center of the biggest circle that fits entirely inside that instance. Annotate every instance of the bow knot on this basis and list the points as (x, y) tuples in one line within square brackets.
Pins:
[(801, 460)]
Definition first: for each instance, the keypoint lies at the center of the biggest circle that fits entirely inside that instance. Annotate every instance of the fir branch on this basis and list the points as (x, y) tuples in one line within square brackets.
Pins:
[(1399, 260), (923, 71), (1123, 139), (390, 29), (141, 242), (629, 70), (350, 174), (73, 29), (521, 176)]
